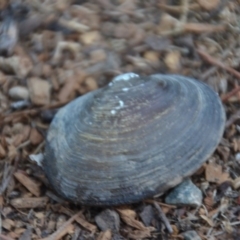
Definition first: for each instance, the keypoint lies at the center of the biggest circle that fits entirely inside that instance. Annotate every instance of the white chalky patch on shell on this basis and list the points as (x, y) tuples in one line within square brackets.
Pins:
[(125, 77), (110, 84), (113, 112), (121, 104), (125, 89)]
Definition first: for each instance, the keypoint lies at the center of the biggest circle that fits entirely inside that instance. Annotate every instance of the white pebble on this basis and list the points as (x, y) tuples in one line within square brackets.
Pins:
[(18, 93), (113, 112), (125, 89)]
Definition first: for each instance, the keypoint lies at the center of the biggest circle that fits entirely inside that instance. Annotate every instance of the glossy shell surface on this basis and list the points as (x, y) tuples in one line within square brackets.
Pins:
[(132, 139)]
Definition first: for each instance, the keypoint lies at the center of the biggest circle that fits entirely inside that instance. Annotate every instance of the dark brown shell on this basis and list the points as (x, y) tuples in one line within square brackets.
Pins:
[(132, 139)]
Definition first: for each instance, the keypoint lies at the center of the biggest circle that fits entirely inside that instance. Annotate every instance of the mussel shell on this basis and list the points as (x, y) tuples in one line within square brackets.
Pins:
[(132, 139)]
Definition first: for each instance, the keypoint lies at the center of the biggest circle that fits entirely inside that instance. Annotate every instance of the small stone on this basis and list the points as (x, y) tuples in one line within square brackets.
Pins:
[(108, 220), (147, 215), (18, 93), (39, 91), (20, 104), (185, 194), (191, 235)]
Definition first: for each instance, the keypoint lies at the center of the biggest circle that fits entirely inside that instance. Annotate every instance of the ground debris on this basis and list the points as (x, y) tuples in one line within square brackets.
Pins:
[(54, 51)]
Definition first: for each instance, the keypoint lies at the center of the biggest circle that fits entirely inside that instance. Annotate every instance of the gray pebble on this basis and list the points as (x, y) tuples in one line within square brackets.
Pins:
[(108, 219), (191, 235), (18, 93), (185, 194)]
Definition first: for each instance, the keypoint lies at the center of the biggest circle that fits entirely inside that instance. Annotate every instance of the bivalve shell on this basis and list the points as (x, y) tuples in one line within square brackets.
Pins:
[(132, 139)]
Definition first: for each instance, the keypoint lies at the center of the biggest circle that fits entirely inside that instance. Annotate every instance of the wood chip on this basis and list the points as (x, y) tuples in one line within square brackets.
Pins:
[(89, 38), (63, 230), (214, 173), (2, 151), (81, 220), (172, 60), (29, 202), (27, 182), (236, 183), (107, 235), (8, 224), (128, 216), (208, 220), (39, 91), (35, 137), (208, 5)]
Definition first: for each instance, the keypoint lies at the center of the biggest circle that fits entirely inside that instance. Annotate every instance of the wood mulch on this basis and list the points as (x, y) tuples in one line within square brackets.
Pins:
[(55, 50)]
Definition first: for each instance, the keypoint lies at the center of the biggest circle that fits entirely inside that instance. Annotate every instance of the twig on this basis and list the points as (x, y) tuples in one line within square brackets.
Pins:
[(163, 217), (216, 62), (225, 97)]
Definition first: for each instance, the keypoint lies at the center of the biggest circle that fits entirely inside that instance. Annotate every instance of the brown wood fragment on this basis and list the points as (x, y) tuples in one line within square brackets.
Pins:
[(67, 226), (35, 137), (39, 91), (28, 183), (209, 5), (33, 202), (81, 220), (128, 216), (3, 237), (177, 9), (107, 235), (214, 173)]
